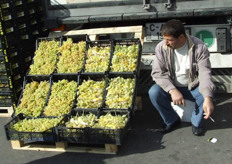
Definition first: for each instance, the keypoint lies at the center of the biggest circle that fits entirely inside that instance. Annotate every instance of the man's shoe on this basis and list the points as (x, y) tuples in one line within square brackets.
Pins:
[(197, 130), (167, 129)]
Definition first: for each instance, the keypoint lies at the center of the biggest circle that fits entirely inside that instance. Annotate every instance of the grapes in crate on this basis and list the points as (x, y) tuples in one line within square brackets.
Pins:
[(82, 121), (35, 125), (90, 94), (120, 93), (72, 56), (45, 59), (97, 59), (124, 58), (61, 98), (33, 99), (110, 121)]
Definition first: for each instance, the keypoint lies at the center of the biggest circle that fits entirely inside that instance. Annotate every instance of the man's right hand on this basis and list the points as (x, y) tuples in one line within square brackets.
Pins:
[(177, 97)]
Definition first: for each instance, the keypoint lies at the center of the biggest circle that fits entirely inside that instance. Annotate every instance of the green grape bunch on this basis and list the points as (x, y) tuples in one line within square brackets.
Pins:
[(33, 98), (110, 121), (90, 94), (61, 99), (124, 58), (72, 56), (98, 59), (120, 93), (81, 121), (35, 124), (45, 59)]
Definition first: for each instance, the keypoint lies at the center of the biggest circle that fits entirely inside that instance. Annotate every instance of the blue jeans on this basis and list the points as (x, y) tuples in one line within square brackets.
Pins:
[(162, 102)]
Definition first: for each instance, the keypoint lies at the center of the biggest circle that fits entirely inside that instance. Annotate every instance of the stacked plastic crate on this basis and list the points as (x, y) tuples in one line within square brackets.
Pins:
[(20, 24)]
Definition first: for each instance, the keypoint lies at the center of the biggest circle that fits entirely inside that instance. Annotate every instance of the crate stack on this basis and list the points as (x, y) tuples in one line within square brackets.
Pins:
[(89, 85), (21, 23)]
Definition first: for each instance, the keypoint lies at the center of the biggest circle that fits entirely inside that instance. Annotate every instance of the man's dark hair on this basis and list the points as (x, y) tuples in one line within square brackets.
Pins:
[(174, 28)]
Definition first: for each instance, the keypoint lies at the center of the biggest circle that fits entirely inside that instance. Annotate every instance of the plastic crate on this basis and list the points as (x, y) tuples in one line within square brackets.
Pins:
[(5, 101), (85, 77), (2, 57), (25, 7), (11, 134), (97, 61), (11, 83), (36, 19), (8, 27), (109, 136), (15, 11), (2, 65), (76, 38), (124, 76), (57, 79), (10, 40), (38, 41), (127, 42), (29, 79), (64, 63), (5, 89), (12, 3), (4, 83), (72, 135), (3, 78)]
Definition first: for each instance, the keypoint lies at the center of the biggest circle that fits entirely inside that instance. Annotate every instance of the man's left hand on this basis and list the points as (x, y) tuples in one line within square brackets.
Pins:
[(208, 107)]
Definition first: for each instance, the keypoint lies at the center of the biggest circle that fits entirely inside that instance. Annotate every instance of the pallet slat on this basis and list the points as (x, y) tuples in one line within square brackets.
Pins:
[(6, 111), (64, 147), (93, 33)]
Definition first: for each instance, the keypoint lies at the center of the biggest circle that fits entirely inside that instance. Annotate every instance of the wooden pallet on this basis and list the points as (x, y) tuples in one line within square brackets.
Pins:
[(64, 147), (94, 33), (6, 111)]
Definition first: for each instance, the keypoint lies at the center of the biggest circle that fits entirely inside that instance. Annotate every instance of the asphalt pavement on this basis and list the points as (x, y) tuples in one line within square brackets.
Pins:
[(144, 145)]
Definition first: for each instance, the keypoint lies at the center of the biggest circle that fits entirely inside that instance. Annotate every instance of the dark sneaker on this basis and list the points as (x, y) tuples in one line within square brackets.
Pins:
[(167, 129), (197, 130)]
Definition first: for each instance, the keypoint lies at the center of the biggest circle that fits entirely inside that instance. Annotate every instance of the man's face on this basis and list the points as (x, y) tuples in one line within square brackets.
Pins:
[(173, 42)]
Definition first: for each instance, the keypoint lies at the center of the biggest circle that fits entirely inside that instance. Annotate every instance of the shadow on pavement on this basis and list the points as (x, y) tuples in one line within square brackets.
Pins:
[(222, 116), (141, 138)]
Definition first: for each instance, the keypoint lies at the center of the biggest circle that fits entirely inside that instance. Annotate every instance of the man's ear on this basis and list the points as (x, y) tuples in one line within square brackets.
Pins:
[(181, 36)]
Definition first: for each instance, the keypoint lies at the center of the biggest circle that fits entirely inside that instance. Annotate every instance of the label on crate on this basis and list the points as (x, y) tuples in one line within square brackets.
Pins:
[(8, 30), (14, 54), (1, 52), (19, 3), (5, 5), (25, 37), (17, 77), (15, 65), (44, 29), (22, 26), (33, 22), (29, 1), (20, 14), (35, 32), (28, 59), (8, 17), (32, 11)]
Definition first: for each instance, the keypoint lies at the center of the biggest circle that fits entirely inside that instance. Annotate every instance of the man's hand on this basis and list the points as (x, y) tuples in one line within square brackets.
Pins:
[(208, 107), (177, 97)]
